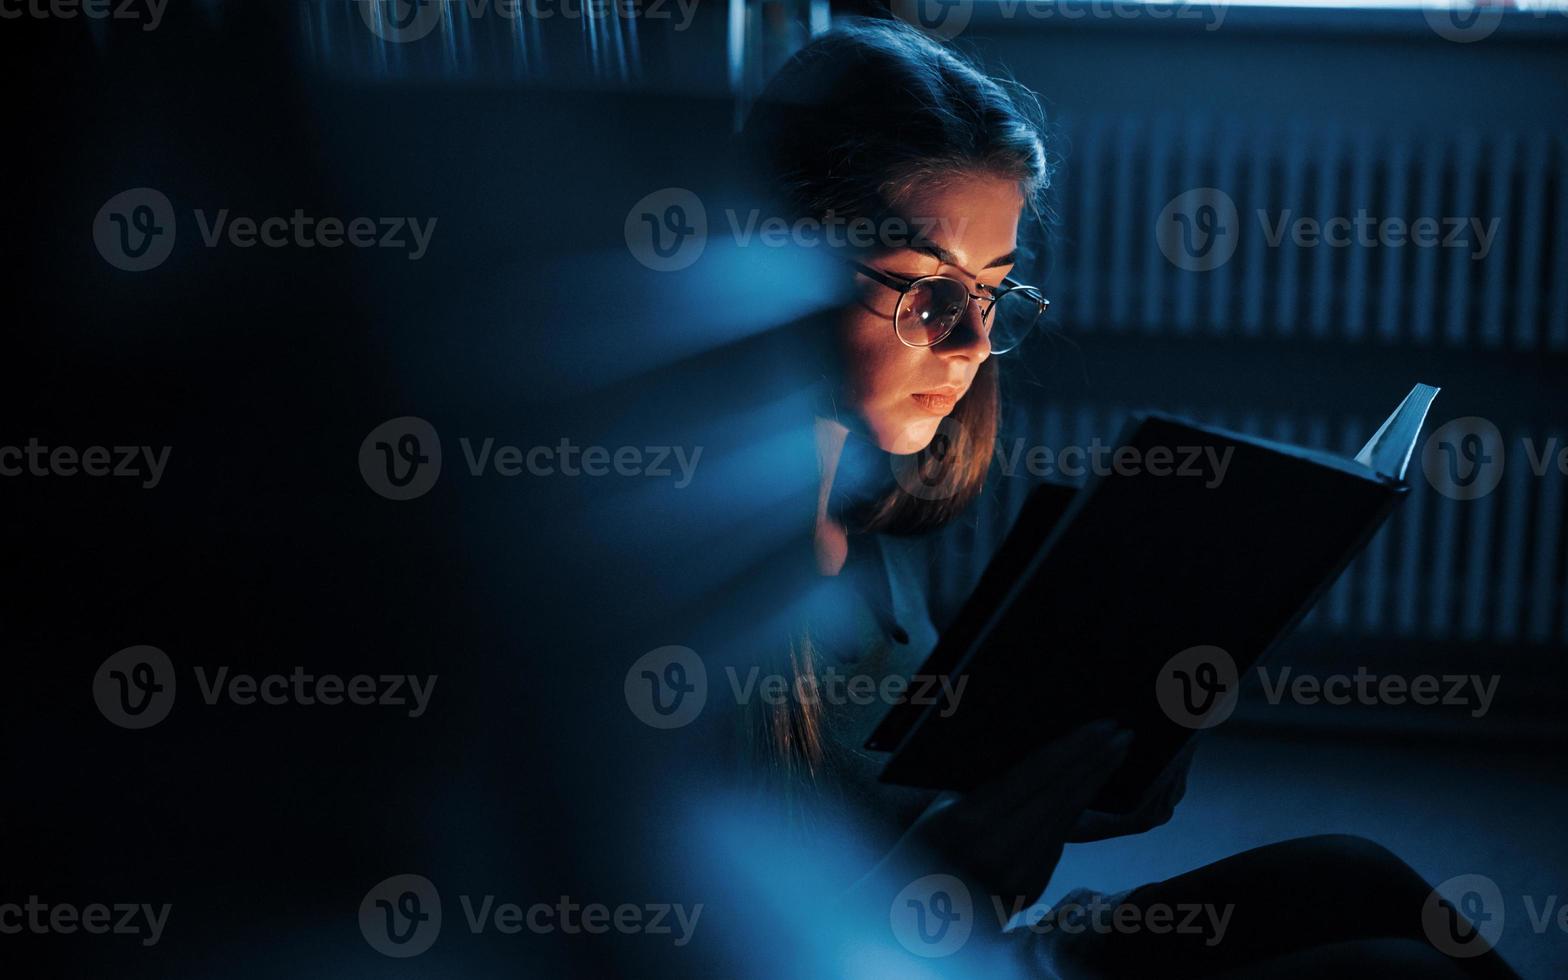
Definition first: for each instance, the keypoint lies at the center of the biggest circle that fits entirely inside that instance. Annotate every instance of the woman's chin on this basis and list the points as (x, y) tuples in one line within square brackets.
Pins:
[(913, 437)]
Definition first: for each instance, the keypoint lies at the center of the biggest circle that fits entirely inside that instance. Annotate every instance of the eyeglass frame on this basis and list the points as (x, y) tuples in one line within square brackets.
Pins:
[(904, 284)]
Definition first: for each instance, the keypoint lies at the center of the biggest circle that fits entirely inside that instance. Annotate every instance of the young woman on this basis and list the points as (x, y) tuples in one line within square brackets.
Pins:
[(874, 121)]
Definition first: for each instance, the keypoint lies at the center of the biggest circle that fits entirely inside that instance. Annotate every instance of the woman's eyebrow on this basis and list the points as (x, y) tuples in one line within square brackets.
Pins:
[(947, 258)]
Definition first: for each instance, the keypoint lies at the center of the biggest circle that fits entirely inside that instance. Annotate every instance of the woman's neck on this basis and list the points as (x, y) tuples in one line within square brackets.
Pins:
[(831, 537)]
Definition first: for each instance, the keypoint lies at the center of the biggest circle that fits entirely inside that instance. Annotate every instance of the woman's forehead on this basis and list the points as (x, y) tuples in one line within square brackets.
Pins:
[(970, 223)]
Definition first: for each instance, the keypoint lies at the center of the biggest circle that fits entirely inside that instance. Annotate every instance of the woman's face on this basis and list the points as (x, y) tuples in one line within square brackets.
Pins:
[(901, 393)]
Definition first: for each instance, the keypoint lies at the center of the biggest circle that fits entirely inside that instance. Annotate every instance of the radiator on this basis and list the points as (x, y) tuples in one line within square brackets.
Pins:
[(1119, 173)]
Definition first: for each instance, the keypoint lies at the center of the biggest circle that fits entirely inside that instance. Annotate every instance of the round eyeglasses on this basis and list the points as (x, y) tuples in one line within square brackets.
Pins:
[(931, 306)]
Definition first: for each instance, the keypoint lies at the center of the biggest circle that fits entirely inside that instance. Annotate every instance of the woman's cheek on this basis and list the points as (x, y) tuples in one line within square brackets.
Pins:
[(879, 372), (884, 403)]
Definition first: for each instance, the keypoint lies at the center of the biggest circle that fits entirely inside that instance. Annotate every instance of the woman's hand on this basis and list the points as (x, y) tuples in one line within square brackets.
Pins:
[(1006, 837), (1156, 808)]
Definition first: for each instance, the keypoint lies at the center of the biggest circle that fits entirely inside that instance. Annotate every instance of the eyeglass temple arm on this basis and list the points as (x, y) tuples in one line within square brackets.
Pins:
[(878, 276)]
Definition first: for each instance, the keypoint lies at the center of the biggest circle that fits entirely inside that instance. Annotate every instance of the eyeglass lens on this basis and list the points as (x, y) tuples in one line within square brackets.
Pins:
[(931, 307)]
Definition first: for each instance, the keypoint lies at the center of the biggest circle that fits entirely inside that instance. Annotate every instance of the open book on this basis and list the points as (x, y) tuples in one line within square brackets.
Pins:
[(1144, 595)]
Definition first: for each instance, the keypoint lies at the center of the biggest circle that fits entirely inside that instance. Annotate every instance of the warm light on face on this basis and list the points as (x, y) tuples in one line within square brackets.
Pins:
[(900, 394)]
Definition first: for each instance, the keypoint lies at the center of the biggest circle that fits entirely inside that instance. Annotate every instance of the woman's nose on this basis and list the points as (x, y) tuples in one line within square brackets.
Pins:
[(969, 338)]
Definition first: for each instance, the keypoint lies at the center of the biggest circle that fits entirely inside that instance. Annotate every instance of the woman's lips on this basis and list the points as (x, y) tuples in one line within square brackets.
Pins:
[(937, 402)]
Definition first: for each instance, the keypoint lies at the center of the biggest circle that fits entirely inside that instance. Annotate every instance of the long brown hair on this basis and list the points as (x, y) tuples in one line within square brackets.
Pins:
[(859, 118)]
